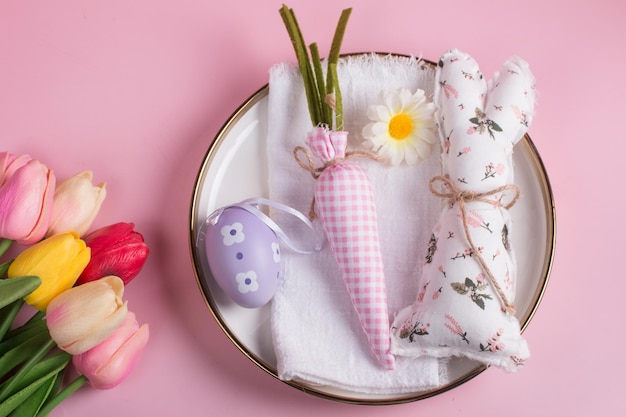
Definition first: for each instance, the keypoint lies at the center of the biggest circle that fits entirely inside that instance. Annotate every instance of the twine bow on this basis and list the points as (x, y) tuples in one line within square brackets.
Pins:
[(464, 196), (309, 165)]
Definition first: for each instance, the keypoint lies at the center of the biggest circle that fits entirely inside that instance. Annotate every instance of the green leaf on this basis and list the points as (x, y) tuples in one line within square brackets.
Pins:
[(12, 289), (31, 405), (62, 395), (4, 245), (7, 316), (459, 287), (495, 126), (21, 353), (469, 283), (45, 368), (4, 267), (14, 401), (10, 384), (18, 336), (474, 120), (479, 302)]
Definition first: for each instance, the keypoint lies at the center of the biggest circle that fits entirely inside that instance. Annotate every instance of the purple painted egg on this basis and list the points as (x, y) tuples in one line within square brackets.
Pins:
[(244, 257)]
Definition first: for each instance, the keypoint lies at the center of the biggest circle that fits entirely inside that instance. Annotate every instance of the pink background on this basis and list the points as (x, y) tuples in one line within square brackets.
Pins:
[(136, 90)]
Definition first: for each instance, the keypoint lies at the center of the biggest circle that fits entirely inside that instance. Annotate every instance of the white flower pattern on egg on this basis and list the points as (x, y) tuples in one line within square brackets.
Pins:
[(276, 251), (233, 233), (247, 282)]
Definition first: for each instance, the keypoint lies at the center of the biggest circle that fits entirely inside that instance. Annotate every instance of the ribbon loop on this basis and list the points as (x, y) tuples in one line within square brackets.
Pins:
[(252, 206)]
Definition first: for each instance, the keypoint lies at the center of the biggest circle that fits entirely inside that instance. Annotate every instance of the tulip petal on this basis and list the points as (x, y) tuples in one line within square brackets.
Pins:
[(122, 362), (58, 261), (26, 203), (76, 203), (98, 333), (107, 364), (84, 316), (116, 250)]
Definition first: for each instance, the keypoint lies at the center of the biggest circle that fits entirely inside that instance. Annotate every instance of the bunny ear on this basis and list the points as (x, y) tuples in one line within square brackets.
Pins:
[(511, 99), (460, 90)]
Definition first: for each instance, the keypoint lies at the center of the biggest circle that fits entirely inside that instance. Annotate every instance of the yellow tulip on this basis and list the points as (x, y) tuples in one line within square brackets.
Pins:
[(58, 261), (84, 316)]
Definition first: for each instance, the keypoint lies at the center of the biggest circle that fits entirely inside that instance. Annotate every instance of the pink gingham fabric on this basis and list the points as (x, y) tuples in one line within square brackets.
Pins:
[(344, 202), (457, 312)]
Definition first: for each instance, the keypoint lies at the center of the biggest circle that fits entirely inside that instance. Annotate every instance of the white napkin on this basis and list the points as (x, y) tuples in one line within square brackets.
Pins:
[(316, 332)]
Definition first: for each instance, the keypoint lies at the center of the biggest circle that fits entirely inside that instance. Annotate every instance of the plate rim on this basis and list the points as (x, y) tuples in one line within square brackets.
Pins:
[(216, 143)]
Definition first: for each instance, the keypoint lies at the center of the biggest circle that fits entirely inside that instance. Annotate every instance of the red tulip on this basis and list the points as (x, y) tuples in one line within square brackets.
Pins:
[(115, 250)]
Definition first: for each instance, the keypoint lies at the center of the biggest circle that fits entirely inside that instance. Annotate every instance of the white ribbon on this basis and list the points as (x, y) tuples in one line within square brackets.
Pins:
[(251, 205)]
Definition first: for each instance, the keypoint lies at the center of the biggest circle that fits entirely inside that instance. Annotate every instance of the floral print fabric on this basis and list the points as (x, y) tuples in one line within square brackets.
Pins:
[(457, 312)]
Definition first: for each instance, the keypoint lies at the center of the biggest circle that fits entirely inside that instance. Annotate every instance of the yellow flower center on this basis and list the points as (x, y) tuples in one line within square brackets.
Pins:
[(400, 126)]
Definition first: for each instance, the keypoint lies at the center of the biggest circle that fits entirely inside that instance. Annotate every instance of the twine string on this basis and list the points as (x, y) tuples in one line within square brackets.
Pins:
[(464, 196), (308, 165)]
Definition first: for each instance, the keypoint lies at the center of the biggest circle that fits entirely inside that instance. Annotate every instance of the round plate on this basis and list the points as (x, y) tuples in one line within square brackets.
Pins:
[(220, 182)]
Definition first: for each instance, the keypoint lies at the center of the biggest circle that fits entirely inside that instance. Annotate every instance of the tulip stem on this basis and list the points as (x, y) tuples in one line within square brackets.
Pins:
[(62, 395), (4, 245), (11, 383)]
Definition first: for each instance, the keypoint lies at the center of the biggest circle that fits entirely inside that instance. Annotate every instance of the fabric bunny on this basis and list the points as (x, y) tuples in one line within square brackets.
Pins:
[(467, 288)]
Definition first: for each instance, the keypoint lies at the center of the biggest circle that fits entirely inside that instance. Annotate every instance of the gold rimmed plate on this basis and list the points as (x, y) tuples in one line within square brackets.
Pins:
[(235, 168)]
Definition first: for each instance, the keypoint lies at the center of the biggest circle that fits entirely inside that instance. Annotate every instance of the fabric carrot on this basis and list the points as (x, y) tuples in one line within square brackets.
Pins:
[(343, 196)]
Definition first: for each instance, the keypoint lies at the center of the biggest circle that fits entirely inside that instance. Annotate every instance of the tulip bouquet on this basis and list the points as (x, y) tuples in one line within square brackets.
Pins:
[(63, 320)]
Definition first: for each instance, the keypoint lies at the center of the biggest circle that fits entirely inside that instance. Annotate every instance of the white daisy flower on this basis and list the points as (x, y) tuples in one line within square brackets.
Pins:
[(402, 127)]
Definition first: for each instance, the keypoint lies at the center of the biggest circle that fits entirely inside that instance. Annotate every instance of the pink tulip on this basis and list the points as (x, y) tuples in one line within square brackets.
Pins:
[(115, 250), (76, 204), (109, 363), (26, 198), (84, 316)]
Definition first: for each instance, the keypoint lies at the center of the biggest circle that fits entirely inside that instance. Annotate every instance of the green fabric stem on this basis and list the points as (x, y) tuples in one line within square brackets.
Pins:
[(302, 56), (312, 73), (324, 110), (332, 70)]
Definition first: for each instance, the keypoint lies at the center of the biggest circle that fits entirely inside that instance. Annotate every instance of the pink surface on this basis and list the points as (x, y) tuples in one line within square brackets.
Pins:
[(136, 91)]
